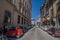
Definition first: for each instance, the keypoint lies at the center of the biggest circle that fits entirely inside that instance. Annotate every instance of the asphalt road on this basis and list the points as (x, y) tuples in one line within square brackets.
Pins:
[(36, 34)]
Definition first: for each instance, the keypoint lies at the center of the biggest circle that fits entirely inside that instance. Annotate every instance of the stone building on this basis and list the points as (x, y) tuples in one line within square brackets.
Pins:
[(52, 10), (32, 21), (15, 12)]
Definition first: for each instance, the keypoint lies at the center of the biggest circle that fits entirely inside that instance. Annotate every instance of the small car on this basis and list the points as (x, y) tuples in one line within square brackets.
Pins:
[(51, 31), (14, 32), (24, 29), (57, 32)]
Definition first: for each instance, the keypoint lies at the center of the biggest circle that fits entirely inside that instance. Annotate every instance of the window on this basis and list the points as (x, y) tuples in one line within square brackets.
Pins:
[(59, 20), (26, 5), (50, 2), (7, 18), (52, 13), (24, 11), (11, 1), (22, 1), (21, 10), (18, 19), (22, 21), (47, 7), (58, 6)]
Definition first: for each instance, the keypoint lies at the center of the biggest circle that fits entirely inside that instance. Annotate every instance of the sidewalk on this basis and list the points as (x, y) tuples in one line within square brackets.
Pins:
[(49, 35)]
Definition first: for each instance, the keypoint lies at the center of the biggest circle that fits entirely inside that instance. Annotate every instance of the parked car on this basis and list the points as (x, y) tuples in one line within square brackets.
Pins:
[(57, 32), (54, 31), (51, 31), (25, 29), (14, 32), (45, 28)]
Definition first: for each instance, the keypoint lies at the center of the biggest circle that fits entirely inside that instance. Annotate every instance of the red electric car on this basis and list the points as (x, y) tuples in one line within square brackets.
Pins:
[(14, 32)]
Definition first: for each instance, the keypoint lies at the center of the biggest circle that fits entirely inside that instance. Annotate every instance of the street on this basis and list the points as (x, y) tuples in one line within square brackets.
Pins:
[(29, 19), (37, 34)]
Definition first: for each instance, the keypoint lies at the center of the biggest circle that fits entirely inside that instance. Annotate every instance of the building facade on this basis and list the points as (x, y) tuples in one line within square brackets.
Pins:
[(15, 13), (43, 14), (52, 12)]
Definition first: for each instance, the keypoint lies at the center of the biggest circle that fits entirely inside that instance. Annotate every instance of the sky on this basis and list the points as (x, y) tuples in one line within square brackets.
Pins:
[(36, 8)]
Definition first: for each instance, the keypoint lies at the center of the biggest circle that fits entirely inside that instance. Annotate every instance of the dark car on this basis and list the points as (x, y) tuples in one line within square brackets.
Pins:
[(51, 31), (24, 29), (54, 31), (57, 32)]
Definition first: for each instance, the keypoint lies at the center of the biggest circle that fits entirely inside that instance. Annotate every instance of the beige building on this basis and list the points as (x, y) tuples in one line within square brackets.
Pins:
[(52, 12), (56, 11), (32, 21), (39, 21), (43, 14), (15, 12)]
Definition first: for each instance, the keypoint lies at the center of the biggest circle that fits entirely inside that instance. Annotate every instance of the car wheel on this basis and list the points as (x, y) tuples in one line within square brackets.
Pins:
[(53, 35), (17, 36)]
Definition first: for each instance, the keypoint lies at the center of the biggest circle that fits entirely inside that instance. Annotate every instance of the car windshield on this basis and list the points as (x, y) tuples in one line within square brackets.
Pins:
[(12, 28)]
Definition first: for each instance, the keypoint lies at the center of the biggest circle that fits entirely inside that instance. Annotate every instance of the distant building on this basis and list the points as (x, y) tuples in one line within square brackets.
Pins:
[(32, 21), (39, 21)]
